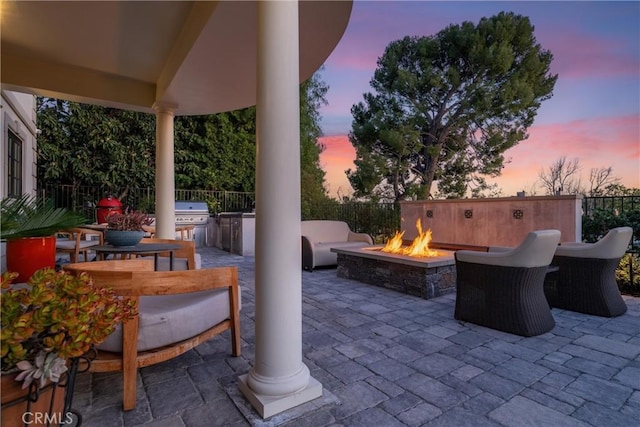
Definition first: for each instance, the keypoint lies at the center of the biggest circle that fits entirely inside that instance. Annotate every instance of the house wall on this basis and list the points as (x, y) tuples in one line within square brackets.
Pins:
[(493, 222), (18, 114)]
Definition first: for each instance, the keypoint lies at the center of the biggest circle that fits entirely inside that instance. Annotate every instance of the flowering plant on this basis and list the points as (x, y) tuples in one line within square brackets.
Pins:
[(128, 221), (54, 317)]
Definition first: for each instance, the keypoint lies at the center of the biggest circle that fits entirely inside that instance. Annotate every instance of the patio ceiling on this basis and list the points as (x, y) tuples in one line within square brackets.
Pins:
[(198, 56)]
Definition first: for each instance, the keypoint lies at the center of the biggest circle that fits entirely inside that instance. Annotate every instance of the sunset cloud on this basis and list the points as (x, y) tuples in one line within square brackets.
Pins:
[(596, 143), (594, 114), (337, 157)]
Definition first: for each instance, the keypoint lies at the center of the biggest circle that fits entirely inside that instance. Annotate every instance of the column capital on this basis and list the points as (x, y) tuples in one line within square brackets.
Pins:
[(164, 107)]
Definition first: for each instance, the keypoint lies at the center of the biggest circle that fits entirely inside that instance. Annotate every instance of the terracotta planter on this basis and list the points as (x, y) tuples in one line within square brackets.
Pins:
[(29, 254), (18, 411)]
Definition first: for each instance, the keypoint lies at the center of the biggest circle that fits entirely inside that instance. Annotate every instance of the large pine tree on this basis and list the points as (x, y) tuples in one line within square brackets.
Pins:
[(446, 107)]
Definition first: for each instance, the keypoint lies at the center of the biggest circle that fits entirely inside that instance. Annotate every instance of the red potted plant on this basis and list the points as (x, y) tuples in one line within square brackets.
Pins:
[(28, 225)]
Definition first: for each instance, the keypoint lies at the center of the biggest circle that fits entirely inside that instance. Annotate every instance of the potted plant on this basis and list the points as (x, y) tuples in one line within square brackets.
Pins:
[(125, 229), (28, 224), (55, 317)]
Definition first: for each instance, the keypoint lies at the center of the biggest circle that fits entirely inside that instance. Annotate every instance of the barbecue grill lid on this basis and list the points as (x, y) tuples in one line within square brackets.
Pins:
[(191, 206)]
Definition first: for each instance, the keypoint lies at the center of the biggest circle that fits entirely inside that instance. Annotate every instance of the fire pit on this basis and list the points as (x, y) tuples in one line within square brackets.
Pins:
[(426, 273)]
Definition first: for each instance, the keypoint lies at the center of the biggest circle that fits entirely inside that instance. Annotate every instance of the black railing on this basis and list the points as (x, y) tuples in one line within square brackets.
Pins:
[(84, 199), (600, 214), (380, 220), (615, 204)]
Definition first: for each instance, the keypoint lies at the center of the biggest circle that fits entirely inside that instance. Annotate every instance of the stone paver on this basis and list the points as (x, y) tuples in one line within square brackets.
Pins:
[(523, 412), (389, 359)]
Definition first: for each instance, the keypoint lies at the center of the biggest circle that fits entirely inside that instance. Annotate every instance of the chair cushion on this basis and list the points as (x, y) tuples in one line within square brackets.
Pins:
[(536, 250), (71, 244), (325, 231), (612, 246), (167, 319), (322, 251)]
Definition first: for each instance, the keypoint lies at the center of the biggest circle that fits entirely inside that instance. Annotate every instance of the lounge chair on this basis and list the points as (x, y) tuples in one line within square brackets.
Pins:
[(503, 289), (586, 281), (177, 310)]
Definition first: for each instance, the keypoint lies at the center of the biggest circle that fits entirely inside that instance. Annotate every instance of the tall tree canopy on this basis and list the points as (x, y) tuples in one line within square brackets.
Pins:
[(90, 145), (216, 152), (86, 145), (447, 107), (312, 177)]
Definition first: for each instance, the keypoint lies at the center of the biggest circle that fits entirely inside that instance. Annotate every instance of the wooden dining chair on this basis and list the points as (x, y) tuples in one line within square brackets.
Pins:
[(184, 258), (74, 242)]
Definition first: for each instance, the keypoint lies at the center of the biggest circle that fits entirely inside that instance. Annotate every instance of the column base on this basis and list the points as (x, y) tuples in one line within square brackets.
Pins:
[(268, 406)]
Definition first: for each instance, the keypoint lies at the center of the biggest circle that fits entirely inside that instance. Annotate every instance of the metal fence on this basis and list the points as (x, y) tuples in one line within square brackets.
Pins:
[(379, 220), (617, 204), (601, 214), (84, 199)]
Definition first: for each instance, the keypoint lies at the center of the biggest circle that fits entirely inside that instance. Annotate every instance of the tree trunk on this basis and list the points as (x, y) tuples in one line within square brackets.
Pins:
[(431, 165)]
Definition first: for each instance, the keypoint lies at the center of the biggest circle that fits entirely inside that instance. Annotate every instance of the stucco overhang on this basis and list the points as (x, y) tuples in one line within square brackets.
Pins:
[(199, 56)]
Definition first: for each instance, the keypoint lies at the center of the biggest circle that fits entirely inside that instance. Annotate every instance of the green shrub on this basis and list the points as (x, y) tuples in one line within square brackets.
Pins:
[(628, 275)]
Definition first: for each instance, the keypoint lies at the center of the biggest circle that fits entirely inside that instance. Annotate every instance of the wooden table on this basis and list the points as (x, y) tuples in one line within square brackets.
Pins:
[(140, 249), (186, 231)]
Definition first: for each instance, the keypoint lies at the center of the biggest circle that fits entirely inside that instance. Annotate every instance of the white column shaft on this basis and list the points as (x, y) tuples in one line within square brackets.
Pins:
[(278, 368), (165, 173)]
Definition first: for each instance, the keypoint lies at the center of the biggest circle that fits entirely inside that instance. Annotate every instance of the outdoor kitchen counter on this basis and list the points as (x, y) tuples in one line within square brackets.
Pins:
[(237, 232)]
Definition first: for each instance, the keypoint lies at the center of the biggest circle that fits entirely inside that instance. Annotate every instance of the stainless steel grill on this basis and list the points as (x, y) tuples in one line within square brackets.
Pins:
[(194, 213)]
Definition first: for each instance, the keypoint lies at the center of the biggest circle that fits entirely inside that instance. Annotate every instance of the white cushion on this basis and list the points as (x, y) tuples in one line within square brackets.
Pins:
[(167, 319), (323, 256), (319, 231), (71, 244), (612, 246), (536, 250)]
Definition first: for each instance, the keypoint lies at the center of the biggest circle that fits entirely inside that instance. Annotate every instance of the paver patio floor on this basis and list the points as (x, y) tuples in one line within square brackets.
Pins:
[(389, 359)]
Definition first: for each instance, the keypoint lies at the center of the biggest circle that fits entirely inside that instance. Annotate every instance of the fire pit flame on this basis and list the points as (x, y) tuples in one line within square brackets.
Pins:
[(419, 247)]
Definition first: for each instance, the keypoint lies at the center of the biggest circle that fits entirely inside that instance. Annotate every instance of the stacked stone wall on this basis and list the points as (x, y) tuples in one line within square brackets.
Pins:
[(422, 282)]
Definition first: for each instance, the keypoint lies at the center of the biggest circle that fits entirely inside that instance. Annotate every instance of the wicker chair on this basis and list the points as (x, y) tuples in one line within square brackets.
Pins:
[(503, 290), (585, 281)]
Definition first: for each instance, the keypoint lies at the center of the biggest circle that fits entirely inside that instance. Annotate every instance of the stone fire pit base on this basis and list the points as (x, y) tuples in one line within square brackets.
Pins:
[(422, 277)]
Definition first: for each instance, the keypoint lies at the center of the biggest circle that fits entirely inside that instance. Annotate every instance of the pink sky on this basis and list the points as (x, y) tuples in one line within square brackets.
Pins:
[(594, 114)]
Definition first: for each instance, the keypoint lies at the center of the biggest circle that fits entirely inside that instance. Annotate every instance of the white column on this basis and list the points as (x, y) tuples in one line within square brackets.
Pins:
[(279, 380), (165, 172)]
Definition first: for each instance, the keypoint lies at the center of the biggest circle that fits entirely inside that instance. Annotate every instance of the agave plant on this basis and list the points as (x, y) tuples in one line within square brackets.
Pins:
[(46, 366), (30, 216)]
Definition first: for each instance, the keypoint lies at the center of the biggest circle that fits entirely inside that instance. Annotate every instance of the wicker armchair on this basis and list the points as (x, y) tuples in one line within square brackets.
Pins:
[(586, 280), (503, 289)]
